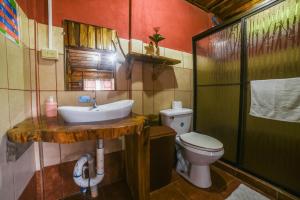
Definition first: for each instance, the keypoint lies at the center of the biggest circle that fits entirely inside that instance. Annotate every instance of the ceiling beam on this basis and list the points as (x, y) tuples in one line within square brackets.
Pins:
[(225, 9)]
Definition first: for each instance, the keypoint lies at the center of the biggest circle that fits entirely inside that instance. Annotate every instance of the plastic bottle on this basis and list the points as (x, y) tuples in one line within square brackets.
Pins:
[(51, 107)]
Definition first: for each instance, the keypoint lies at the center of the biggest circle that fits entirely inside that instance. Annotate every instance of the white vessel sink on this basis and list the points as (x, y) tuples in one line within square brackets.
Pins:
[(110, 111)]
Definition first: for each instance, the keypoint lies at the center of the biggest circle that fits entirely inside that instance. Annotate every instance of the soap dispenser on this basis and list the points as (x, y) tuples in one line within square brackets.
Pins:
[(51, 107)]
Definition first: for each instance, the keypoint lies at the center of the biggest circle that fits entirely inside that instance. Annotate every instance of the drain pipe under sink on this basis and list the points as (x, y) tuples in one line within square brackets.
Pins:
[(94, 178)]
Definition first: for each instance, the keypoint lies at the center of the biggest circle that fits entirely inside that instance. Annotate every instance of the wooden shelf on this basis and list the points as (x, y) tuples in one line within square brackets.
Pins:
[(159, 60), (155, 60), (82, 69)]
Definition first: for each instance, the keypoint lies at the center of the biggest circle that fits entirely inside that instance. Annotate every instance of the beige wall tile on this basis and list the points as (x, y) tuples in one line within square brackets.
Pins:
[(70, 152), (125, 45), (18, 63), (22, 175), (24, 28), (162, 51), (192, 100), (16, 106), (60, 73), (121, 79), (148, 102), (148, 76), (27, 69), (19, 105), (4, 107), (187, 60), (183, 79), (28, 101), (113, 145), (36, 155), (15, 61), (145, 45), (164, 78), (137, 96), (31, 27), (163, 100), (32, 69), (42, 38), (33, 104), (136, 46), (51, 153), (3, 150), (192, 80), (110, 96), (47, 74), (44, 95), (58, 39), (137, 76), (71, 98), (185, 97), (3, 63), (7, 181), (171, 53)]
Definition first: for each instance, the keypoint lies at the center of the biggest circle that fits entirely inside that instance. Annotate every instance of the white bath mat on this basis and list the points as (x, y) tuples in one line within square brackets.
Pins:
[(245, 193)]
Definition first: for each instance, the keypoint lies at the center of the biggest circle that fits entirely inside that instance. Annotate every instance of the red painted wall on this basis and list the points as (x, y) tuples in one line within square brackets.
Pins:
[(24, 5), (178, 19)]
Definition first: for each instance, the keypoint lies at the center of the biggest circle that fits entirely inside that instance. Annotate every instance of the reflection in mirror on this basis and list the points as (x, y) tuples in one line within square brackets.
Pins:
[(90, 57), (89, 70)]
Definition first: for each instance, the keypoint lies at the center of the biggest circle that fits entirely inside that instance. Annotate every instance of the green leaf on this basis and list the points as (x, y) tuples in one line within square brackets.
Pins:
[(156, 38)]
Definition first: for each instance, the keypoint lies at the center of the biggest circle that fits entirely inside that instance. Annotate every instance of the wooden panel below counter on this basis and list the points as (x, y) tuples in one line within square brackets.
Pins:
[(57, 131)]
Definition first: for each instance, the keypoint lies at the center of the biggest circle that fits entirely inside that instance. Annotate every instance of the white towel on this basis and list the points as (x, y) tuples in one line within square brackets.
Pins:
[(245, 193), (277, 99)]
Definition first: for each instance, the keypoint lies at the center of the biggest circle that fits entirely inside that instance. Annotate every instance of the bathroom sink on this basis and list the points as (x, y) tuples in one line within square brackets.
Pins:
[(110, 111)]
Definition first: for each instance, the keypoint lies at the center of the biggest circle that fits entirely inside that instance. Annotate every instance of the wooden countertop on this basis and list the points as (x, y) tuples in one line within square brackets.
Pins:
[(57, 131)]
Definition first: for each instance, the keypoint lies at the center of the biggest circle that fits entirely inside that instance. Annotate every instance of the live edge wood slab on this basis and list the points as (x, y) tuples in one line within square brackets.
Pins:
[(57, 131), (137, 143)]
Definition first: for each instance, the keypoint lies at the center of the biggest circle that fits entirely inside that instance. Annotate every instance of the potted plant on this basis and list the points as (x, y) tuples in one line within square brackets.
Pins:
[(156, 38)]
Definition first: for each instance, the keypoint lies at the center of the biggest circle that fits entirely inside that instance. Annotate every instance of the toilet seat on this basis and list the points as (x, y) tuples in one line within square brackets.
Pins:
[(198, 150), (201, 142)]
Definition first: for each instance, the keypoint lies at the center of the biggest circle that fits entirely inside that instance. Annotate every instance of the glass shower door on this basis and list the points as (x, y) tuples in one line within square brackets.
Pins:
[(271, 148), (218, 87)]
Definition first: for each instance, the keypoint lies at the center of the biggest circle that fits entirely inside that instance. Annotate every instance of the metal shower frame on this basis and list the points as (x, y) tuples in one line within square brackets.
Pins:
[(243, 81)]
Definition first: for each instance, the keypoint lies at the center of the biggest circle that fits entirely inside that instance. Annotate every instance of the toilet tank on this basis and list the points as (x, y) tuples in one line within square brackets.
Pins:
[(178, 119)]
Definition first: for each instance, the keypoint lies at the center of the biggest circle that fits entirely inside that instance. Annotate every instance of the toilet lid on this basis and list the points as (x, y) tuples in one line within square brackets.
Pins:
[(175, 112), (198, 140)]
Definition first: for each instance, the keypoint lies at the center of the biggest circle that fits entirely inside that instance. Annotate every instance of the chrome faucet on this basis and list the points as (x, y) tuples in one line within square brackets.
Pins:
[(94, 102)]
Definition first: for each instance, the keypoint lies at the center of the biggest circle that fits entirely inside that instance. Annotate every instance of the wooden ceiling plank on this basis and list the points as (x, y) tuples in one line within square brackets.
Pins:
[(197, 4), (215, 6), (225, 9), (240, 9)]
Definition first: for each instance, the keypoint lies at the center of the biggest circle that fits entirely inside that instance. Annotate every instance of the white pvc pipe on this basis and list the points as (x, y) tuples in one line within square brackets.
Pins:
[(78, 169), (50, 24)]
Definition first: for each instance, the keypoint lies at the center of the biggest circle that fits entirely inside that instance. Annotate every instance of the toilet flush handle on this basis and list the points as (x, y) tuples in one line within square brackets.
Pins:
[(172, 117)]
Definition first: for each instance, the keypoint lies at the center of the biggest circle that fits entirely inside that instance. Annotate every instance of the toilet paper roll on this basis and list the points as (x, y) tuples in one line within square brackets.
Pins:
[(176, 105)]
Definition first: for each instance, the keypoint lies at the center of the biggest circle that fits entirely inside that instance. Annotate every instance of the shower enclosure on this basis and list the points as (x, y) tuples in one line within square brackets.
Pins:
[(262, 44)]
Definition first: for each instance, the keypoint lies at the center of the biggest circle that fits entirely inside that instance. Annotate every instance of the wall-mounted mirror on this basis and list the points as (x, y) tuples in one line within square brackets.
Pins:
[(90, 57)]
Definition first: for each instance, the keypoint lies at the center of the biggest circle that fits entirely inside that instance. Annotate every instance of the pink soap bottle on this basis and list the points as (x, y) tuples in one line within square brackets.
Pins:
[(51, 107)]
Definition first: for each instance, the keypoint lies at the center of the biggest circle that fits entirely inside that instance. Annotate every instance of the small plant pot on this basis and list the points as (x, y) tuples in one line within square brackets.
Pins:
[(157, 51)]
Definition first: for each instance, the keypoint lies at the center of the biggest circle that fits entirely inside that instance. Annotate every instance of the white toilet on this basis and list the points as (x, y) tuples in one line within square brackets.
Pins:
[(195, 151)]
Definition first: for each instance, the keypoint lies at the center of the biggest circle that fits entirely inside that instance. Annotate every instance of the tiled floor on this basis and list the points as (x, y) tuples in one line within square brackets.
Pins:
[(179, 189), (116, 191)]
